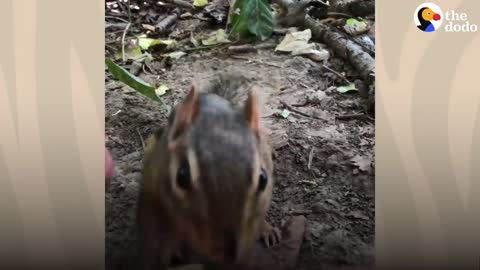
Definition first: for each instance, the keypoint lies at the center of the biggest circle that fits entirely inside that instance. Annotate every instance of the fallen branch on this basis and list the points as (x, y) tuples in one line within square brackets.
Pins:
[(360, 8), (342, 45), (179, 3), (164, 25)]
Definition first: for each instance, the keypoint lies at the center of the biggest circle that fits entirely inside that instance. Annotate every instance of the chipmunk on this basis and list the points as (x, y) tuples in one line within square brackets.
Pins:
[(207, 178)]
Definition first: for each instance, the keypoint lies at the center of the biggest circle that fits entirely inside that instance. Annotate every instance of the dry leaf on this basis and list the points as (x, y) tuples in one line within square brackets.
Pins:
[(362, 162)]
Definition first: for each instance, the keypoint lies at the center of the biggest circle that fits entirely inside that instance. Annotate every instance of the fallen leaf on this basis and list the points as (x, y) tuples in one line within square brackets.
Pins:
[(285, 113), (131, 53), (193, 40), (200, 3), (161, 90), (176, 55), (146, 43), (319, 55), (129, 79), (216, 37), (355, 27), (362, 162), (296, 42), (347, 88)]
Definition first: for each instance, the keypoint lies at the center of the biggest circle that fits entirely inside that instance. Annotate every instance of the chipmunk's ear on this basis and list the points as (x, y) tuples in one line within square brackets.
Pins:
[(185, 113), (252, 111)]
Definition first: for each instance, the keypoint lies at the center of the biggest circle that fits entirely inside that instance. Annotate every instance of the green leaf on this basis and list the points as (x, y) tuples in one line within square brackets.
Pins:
[(355, 23), (131, 53), (200, 3), (253, 16), (161, 90), (129, 79), (347, 88), (216, 37), (285, 113), (354, 26), (145, 43)]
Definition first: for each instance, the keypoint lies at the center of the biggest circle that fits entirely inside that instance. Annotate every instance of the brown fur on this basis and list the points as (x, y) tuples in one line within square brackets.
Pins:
[(220, 135)]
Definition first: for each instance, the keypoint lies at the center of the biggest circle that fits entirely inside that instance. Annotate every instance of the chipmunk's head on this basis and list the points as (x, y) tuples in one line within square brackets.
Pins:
[(220, 182)]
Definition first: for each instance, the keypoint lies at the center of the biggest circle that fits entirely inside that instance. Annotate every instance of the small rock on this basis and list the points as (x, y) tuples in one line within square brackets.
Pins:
[(357, 215), (317, 96), (319, 207), (317, 229), (333, 203)]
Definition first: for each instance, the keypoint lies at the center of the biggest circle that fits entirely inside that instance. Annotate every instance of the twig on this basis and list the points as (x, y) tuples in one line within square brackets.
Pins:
[(199, 48), (300, 212), (116, 18), (310, 158), (299, 112), (323, 2), (347, 117), (255, 61), (242, 48), (339, 14), (129, 12), (145, 71), (123, 41), (336, 73), (119, 111), (308, 182), (141, 138), (265, 46)]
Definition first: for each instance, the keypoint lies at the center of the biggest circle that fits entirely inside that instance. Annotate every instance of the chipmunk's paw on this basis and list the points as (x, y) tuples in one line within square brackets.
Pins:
[(270, 235)]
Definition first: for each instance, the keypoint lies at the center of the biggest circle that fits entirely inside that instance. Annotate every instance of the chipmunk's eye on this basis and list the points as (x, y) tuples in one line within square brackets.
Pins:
[(262, 180), (183, 175)]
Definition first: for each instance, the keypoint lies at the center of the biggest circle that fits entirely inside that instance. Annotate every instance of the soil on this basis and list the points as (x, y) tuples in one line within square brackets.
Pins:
[(324, 167)]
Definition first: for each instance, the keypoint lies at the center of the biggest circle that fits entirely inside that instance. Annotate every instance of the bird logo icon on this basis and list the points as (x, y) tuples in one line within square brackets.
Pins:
[(428, 17)]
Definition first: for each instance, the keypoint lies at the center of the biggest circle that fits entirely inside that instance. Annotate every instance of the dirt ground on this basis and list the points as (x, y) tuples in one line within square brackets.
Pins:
[(324, 167)]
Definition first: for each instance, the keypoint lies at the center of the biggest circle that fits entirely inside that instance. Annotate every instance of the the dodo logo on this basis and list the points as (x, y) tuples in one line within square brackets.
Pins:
[(428, 17)]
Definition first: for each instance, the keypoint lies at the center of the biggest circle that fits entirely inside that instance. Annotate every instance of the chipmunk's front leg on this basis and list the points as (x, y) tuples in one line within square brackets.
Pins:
[(270, 235), (156, 245)]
